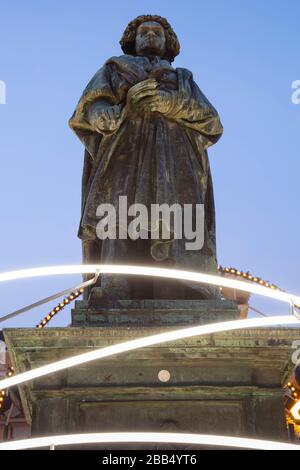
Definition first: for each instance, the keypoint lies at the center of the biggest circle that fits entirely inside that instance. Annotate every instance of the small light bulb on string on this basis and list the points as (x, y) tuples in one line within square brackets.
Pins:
[(247, 275), (59, 307), (293, 391), (9, 373)]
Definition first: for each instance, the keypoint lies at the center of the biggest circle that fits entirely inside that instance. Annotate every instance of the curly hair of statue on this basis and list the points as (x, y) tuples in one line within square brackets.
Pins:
[(128, 39)]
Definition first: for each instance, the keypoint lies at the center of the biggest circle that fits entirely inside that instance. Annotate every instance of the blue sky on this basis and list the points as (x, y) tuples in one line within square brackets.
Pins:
[(244, 56)]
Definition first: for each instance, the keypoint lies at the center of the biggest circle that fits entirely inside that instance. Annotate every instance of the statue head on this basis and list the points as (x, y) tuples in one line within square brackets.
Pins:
[(150, 35)]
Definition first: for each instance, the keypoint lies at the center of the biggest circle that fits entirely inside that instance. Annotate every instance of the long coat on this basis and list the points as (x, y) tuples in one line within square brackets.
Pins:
[(150, 158)]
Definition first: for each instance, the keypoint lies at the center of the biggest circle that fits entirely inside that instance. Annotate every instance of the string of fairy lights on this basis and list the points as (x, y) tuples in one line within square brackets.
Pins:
[(292, 390), (3, 393), (292, 398), (248, 276), (59, 307)]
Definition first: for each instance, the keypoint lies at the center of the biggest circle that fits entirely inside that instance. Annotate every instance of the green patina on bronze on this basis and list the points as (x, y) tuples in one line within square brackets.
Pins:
[(146, 127)]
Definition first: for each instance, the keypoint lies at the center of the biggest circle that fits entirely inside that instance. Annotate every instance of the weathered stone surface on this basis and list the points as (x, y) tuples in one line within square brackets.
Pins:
[(154, 313), (228, 383)]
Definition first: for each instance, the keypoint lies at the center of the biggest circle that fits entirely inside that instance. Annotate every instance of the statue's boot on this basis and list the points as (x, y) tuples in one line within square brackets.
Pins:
[(203, 292), (109, 287), (112, 287), (179, 290)]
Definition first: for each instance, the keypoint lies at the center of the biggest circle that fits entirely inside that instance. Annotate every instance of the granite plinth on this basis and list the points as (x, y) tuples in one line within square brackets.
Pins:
[(154, 312)]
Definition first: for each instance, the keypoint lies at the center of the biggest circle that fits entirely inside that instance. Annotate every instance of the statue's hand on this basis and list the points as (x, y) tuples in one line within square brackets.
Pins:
[(160, 102), (139, 92), (105, 119), (145, 97)]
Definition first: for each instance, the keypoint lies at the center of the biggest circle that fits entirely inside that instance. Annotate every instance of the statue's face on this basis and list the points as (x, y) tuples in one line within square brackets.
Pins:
[(150, 39)]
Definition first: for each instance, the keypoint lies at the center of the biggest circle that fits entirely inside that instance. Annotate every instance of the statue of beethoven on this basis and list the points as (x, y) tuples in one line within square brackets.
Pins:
[(146, 127)]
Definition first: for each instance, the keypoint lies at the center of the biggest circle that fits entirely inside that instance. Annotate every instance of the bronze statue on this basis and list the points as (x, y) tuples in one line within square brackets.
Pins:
[(146, 127)]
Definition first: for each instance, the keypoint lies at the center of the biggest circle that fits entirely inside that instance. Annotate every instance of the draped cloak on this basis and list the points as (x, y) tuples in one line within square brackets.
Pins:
[(150, 158)]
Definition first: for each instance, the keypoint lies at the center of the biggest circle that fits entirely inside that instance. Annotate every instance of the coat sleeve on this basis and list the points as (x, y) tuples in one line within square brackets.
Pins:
[(98, 88), (191, 109)]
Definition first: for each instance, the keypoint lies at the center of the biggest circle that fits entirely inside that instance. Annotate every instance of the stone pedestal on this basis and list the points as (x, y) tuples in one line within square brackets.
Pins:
[(135, 313), (227, 383)]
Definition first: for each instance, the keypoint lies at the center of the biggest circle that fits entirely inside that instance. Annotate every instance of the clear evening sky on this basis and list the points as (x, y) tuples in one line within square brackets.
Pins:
[(244, 55)]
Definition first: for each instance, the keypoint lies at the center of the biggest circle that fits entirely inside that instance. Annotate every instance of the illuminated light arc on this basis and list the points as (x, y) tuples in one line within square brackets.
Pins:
[(149, 437), (151, 271)]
